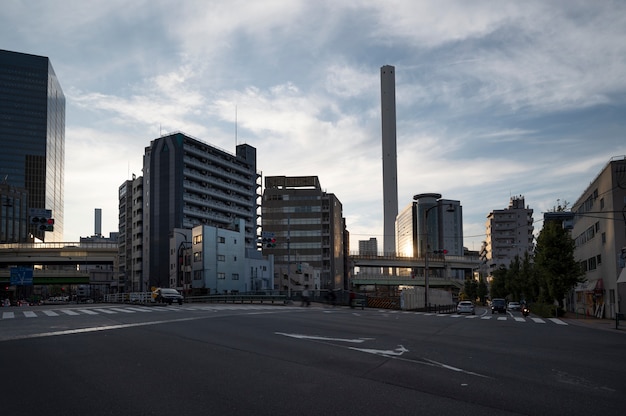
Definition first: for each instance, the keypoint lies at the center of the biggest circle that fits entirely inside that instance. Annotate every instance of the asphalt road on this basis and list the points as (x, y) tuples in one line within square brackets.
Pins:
[(288, 360)]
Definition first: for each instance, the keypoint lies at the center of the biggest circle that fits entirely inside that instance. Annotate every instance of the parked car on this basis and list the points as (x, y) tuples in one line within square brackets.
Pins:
[(498, 305), (465, 306), (168, 296), (514, 306)]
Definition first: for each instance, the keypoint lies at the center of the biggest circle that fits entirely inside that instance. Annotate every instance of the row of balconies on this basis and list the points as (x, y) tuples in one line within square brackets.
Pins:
[(213, 204), (211, 191), (214, 181), (222, 172), (203, 158)]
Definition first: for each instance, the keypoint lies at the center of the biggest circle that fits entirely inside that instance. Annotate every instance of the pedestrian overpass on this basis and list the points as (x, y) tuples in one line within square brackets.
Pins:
[(411, 271)]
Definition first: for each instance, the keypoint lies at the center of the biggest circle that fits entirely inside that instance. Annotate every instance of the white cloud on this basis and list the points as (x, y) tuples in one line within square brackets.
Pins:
[(493, 100)]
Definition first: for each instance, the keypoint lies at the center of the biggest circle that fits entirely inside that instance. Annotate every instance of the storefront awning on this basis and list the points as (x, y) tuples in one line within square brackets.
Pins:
[(590, 286), (622, 276)]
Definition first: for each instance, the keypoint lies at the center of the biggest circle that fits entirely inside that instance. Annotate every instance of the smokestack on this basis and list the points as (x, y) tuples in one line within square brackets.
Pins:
[(390, 162), (98, 222)]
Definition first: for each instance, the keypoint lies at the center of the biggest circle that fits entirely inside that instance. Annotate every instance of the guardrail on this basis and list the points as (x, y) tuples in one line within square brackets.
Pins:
[(146, 297), (237, 299)]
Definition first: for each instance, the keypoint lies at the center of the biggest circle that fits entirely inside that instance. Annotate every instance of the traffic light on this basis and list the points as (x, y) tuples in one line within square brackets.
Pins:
[(43, 223), (440, 252), (268, 240)]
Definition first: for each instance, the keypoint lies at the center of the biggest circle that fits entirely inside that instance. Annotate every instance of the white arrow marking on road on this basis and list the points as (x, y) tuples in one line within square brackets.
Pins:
[(319, 338), (387, 353)]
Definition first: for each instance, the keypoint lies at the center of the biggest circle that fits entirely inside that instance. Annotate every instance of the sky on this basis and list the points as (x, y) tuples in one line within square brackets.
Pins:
[(494, 99)]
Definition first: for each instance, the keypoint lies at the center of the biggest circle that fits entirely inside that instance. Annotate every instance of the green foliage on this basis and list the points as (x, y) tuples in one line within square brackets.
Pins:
[(546, 310), (552, 274), (557, 269), (471, 289), (498, 284), (482, 291)]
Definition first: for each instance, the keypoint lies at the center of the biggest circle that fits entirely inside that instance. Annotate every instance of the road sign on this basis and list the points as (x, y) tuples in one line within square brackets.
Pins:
[(21, 276)]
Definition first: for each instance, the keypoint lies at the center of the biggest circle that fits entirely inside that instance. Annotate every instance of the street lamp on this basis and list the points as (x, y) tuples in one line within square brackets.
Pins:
[(450, 208)]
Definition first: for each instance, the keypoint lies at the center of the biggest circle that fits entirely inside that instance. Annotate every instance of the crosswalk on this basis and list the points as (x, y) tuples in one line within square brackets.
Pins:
[(489, 317), (138, 309), (125, 310)]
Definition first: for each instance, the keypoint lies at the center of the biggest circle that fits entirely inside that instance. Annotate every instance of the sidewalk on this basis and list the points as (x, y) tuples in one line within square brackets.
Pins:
[(595, 323)]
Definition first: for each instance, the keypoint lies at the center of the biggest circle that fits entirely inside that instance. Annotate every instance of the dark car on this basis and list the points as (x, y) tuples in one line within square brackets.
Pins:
[(168, 296), (498, 305)]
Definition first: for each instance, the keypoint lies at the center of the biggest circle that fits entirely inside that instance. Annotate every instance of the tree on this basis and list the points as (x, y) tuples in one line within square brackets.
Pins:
[(557, 269), (497, 287), (482, 291)]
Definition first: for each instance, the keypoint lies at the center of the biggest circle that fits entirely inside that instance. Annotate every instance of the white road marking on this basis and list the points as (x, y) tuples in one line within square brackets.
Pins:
[(538, 320), (30, 314), (106, 311), (88, 311), (387, 353), (69, 312), (557, 321), (50, 313), (8, 315), (320, 338)]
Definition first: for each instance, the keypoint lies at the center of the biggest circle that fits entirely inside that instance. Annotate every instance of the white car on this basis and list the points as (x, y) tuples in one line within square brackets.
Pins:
[(465, 306), (514, 306)]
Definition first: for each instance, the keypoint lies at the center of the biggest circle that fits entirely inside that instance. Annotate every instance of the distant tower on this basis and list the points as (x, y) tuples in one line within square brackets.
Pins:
[(98, 222), (390, 162)]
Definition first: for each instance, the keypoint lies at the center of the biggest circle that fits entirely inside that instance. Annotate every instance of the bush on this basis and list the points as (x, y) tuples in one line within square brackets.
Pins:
[(546, 310)]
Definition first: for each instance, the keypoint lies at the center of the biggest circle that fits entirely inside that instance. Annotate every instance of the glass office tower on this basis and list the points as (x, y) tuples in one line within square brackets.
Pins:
[(32, 136)]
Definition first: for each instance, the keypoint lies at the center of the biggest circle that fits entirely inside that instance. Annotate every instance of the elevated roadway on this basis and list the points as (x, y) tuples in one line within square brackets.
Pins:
[(56, 263)]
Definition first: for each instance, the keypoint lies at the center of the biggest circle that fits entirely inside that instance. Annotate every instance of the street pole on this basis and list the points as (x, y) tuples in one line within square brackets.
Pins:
[(289, 257)]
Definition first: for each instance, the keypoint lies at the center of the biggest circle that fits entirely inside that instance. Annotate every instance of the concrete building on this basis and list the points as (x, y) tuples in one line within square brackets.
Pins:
[(189, 183), (390, 160), (130, 243), (309, 228), (32, 139), (219, 262), (369, 248), (14, 227), (599, 232), (431, 225), (509, 233)]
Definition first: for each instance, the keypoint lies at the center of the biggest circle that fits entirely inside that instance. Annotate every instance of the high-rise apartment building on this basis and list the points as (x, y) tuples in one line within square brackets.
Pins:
[(130, 242), (509, 234), (599, 233), (188, 183), (32, 138), (308, 226)]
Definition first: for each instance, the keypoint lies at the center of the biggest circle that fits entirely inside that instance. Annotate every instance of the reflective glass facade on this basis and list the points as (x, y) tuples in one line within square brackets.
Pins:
[(32, 134)]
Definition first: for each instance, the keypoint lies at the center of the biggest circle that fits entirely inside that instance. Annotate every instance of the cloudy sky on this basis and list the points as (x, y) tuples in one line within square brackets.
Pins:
[(494, 98)]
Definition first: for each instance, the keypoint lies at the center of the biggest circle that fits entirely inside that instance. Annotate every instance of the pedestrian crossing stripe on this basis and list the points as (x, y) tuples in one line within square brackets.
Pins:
[(129, 310), (221, 307)]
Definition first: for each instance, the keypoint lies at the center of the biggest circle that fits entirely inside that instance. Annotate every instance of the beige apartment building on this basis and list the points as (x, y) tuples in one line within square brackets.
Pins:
[(509, 233), (599, 231)]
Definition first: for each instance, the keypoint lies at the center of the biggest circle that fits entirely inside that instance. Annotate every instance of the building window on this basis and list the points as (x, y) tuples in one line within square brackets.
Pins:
[(235, 276), (221, 240), (197, 256), (197, 275), (221, 275), (234, 258), (603, 238), (221, 257), (592, 263), (197, 239), (599, 259)]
